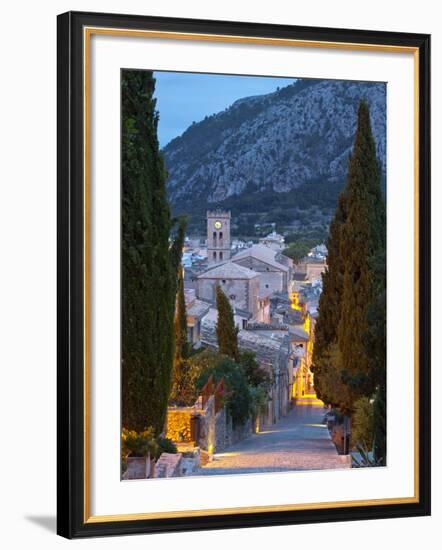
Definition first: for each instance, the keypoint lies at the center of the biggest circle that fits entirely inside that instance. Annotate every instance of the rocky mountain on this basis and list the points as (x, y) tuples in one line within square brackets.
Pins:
[(288, 149)]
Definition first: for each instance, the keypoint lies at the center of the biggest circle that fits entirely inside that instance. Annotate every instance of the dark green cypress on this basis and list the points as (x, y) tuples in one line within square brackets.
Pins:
[(362, 239), (329, 313), (182, 346), (226, 331), (149, 262), (376, 347), (349, 351)]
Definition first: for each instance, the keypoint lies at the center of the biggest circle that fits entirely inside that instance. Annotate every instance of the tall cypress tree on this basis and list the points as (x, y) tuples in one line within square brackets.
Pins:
[(182, 346), (376, 348), (149, 262), (362, 239), (349, 351), (327, 385), (226, 331)]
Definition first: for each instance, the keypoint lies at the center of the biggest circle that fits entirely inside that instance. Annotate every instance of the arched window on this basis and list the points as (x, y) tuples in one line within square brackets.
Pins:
[(220, 234), (214, 237), (214, 255), (220, 255)]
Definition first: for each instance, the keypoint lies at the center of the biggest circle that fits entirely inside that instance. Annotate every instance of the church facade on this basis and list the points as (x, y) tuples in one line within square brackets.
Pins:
[(274, 275), (239, 284)]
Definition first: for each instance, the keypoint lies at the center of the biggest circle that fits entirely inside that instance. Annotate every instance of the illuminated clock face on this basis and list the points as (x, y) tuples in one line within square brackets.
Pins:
[(217, 225)]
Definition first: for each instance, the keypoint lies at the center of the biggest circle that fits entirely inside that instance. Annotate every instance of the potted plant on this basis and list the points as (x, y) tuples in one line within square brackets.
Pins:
[(139, 450)]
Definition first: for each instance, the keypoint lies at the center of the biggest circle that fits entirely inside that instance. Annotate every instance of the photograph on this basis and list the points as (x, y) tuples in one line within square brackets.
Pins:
[(253, 274)]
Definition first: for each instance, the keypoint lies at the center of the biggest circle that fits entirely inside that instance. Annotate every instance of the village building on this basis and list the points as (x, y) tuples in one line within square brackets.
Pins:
[(298, 280), (319, 251), (274, 240), (311, 267), (275, 276), (195, 311), (240, 285)]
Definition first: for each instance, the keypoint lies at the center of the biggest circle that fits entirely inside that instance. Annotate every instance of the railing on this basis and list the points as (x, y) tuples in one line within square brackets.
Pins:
[(217, 391), (207, 391)]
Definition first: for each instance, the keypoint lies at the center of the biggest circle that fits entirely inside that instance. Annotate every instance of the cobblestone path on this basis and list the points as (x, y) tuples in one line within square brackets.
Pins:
[(298, 441)]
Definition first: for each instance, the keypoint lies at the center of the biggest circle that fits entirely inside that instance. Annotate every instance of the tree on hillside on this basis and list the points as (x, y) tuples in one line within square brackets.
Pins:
[(226, 331), (149, 262), (297, 250)]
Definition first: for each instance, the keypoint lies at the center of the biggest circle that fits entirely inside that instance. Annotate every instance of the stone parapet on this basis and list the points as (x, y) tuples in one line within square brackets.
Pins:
[(169, 465)]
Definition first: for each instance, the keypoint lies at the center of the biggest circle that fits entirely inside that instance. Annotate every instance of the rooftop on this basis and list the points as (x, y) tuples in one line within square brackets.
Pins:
[(228, 270), (298, 334), (260, 252), (273, 236), (198, 308)]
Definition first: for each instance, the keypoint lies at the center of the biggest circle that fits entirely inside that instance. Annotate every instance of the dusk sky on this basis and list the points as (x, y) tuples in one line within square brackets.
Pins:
[(183, 98)]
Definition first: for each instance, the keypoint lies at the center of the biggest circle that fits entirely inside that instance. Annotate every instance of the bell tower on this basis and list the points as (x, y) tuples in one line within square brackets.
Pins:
[(218, 236)]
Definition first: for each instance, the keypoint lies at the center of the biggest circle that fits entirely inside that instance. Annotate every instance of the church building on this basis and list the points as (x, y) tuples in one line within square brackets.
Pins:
[(275, 276), (239, 284)]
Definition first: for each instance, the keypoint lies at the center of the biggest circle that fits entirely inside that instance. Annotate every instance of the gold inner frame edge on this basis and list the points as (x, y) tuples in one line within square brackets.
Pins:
[(87, 34)]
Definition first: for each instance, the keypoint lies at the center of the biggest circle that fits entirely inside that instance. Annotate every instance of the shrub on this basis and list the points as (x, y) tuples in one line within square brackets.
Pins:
[(186, 392), (255, 374), (139, 444), (362, 423), (238, 399), (165, 445), (258, 400)]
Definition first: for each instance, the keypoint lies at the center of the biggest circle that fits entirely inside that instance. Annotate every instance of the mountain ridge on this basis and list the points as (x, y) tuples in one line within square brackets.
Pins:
[(298, 136)]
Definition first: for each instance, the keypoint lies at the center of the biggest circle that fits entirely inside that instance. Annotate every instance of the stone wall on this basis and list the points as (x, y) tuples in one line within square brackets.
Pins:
[(169, 465), (220, 431), (206, 439), (235, 434), (181, 424), (138, 468)]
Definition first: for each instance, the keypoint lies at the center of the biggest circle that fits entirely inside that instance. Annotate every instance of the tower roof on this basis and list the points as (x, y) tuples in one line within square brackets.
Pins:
[(218, 213)]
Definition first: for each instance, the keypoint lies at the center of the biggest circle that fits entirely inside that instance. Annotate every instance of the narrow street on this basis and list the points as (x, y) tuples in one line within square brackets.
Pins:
[(299, 441)]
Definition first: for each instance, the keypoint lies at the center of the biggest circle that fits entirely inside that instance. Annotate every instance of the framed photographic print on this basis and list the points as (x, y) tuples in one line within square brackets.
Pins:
[(243, 274)]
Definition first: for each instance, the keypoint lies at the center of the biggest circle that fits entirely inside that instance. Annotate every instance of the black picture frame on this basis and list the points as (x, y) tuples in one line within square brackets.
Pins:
[(72, 521)]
